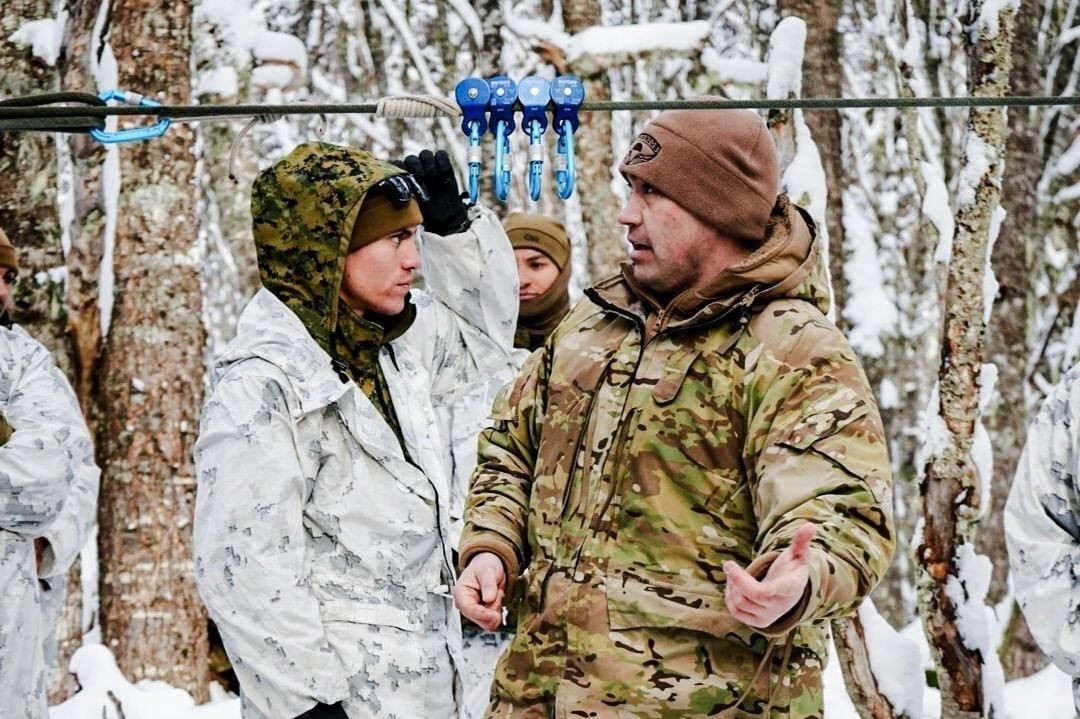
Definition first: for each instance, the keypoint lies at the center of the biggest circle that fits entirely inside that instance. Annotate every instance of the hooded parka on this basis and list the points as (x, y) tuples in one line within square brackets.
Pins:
[(323, 546), (48, 488), (1042, 528), (641, 449)]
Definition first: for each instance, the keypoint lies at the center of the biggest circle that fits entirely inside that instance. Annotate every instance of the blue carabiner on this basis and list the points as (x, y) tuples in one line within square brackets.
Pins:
[(565, 164), (472, 95), (136, 133), (567, 93), (534, 93), (501, 119)]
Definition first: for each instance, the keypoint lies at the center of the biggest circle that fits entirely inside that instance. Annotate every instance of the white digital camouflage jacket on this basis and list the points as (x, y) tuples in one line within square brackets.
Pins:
[(323, 555), (1042, 526), (48, 490)]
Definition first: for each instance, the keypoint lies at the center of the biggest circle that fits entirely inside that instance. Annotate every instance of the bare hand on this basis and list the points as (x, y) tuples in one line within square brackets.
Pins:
[(760, 603), (480, 590)]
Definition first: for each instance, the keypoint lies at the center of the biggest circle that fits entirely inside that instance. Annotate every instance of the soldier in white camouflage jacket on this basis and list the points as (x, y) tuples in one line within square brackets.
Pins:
[(327, 510), (1042, 528), (48, 499)]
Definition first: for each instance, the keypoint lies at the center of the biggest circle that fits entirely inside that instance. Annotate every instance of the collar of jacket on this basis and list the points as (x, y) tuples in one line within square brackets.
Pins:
[(358, 338), (788, 264), (270, 330)]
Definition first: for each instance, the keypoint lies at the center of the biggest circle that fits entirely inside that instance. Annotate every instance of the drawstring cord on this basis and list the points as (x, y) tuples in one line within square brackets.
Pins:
[(789, 645)]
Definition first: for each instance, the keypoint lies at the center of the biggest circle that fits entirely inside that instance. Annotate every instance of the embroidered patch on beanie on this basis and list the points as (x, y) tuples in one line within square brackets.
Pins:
[(645, 148)]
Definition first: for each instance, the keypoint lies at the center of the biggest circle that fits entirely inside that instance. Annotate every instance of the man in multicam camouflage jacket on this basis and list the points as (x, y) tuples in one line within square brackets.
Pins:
[(695, 415), (1042, 528), (324, 517)]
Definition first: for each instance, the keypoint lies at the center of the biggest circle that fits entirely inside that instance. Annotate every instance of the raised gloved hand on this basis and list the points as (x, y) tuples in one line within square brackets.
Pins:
[(325, 711), (445, 212)]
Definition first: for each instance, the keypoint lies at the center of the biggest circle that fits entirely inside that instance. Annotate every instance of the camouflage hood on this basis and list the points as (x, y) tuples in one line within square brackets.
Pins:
[(303, 209), (787, 265)]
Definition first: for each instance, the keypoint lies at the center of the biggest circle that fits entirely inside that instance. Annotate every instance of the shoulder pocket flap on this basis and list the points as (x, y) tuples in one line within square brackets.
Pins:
[(667, 388), (816, 427), (635, 602), (377, 614)]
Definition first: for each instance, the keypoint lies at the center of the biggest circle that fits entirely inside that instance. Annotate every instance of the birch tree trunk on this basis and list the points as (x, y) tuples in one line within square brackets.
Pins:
[(151, 385), (1012, 327), (950, 488)]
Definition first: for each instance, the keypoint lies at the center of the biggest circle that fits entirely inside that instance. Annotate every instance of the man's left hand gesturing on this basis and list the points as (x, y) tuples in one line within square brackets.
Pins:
[(760, 603)]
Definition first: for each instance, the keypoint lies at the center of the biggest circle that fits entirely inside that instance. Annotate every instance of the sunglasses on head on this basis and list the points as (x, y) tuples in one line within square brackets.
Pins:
[(402, 188)]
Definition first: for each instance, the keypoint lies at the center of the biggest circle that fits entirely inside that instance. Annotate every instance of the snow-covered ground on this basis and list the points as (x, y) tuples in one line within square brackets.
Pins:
[(1045, 695)]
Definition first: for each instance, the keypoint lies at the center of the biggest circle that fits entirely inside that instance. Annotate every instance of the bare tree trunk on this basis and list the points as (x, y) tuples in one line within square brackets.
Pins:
[(595, 156), (854, 657), (28, 179), (950, 488), (1011, 330), (152, 373)]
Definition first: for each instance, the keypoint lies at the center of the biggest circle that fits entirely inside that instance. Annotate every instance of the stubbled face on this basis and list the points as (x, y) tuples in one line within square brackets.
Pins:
[(672, 250), (7, 286), (378, 275), (536, 273)]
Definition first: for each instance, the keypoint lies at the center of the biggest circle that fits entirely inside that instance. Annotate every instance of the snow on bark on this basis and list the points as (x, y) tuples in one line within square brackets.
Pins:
[(950, 580)]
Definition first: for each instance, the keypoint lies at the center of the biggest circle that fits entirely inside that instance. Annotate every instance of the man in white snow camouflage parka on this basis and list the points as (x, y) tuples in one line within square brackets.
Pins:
[(48, 500), (1042, 528), (326, 517)]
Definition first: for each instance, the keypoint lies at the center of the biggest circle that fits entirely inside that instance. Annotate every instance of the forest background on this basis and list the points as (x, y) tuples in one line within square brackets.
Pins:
[(951, 238)]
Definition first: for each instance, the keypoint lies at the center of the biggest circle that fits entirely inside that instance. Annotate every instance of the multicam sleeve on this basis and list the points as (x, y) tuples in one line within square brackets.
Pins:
[(496, 512), (817, 447), (1042, 526)]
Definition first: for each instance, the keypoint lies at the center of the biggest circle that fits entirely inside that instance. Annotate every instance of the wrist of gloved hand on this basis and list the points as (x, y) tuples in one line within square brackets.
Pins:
[(445, 211), (325, 711)]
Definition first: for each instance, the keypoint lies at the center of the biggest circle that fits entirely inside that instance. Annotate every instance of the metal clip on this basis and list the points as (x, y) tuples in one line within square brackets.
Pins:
[(567, 93), (534, 93), (136, 133), (472, 95), (501, 119)]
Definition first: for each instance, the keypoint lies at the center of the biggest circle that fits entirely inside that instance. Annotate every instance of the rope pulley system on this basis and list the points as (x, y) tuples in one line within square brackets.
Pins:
[(483, 105)]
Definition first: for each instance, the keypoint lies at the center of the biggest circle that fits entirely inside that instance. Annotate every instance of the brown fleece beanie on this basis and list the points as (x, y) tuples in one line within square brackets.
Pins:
[(380, 216), (537, 232), (8, 258), (719, 165)]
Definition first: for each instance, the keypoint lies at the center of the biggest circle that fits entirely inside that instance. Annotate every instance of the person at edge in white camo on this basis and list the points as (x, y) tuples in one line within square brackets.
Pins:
[(48, 502), (326, 519), (1042, 528)]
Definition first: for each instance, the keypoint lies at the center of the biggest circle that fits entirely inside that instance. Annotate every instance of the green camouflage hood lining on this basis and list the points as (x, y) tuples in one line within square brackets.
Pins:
[(303, 209)]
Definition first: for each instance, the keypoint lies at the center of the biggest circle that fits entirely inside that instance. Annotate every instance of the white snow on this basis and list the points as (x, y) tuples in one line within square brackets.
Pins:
[(975, 621), (638, 39), (978, 155), (888, 395), (106, 693), (44, 36), (937, 211), (220, 81), (989, 16), (733, 69), (888, 650), (105, 74), (869, 308), (786, 47)]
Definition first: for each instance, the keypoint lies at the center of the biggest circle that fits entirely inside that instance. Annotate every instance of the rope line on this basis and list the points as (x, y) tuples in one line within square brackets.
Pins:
[(44, 118)]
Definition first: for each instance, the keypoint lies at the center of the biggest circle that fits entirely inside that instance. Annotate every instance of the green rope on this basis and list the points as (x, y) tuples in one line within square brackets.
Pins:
[(182, 113)]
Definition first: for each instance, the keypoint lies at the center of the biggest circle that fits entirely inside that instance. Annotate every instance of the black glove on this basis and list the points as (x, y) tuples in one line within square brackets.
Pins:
[(325, 711), (445, 212)]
